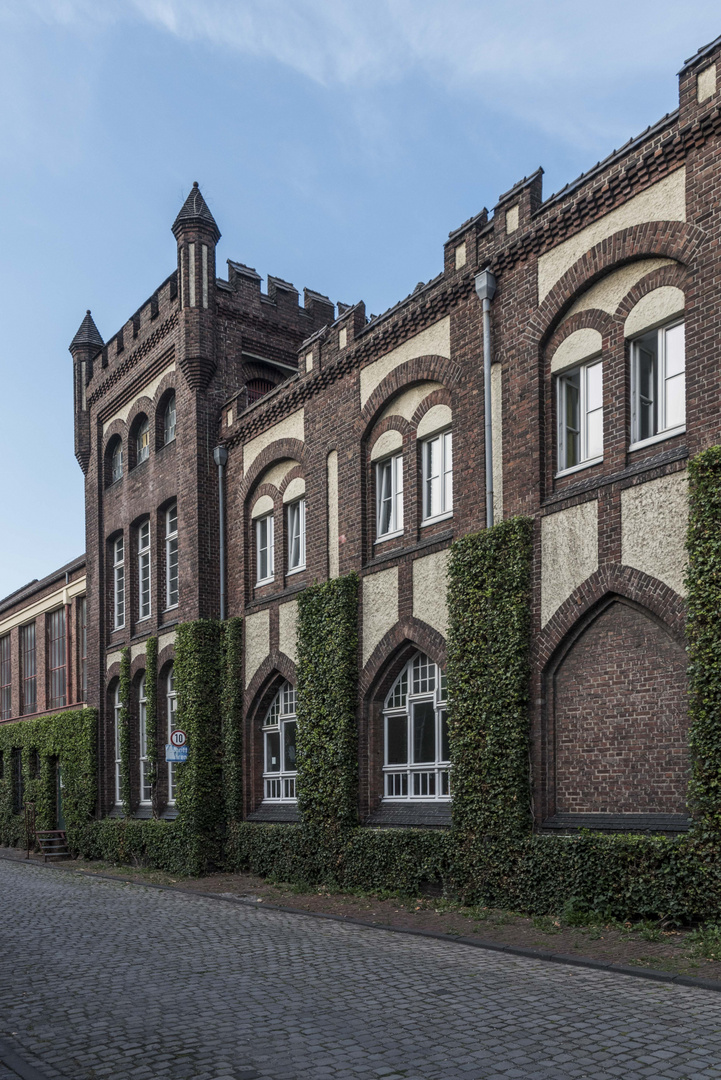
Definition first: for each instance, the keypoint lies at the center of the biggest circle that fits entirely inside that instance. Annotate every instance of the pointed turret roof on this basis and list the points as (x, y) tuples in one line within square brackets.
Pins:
[(195, 212), (88, 334)]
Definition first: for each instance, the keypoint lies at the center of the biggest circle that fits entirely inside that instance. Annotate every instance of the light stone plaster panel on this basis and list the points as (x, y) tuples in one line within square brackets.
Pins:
[(277, 472), (257, 642), (292, 427), (112, 658), (386, 444), (437, 417), (497, 439), (435, 341), (47, 603), (380, 608), (706, 83), (295, 489), (664, 201), (288, 630), (261, 507), (569, 554), (406, 403), (654, 308), (654, 519), (461, 255), (137, 650), (333, 548), (608, 293), (166, 639), (580, 345), (147, 391), (512, 219), (430, 590)]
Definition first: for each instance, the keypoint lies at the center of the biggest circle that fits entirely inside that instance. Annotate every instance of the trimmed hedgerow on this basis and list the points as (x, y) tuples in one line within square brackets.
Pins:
[(124, 690), (401, 860), (232, 717), (67, 741), (489, 591), (327, 744), (703, 581)]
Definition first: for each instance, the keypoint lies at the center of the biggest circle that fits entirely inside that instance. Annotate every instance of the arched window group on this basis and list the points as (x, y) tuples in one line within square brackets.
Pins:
[(279, 756), (139, 585), (139, 439), (141, 780), (416, 755)]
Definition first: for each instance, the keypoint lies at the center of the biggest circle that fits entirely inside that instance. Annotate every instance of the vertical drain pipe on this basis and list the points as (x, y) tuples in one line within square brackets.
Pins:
[(485, 290), (220, 457)]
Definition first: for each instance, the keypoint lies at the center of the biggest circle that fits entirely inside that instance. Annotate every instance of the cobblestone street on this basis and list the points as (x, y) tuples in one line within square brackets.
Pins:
[(108, 979)]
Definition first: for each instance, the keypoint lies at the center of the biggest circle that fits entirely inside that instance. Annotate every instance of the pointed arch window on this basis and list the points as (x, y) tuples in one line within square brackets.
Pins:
[(169, 421), (416, 763), (279, 727), (142, 441)]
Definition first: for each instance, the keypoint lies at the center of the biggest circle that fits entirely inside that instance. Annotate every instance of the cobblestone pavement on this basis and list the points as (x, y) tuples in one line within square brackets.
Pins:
[(107, 979)]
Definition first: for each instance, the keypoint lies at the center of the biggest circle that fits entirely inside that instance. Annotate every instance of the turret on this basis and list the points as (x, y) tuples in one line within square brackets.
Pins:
[(197, 234), (86, 344)]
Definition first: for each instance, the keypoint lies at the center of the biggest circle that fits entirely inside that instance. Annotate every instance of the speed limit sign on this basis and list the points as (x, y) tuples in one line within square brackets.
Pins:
[(178, 737)]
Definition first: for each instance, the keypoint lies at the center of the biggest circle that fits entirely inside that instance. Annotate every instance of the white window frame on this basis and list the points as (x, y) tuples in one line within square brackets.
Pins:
[(391, 467), (146, 793), (116, 461), (172, 583), (118, 583), (420, 682), (295, 515), (171, 701), (142, 441), (169, 427), (279, 785), (266, 545), (586, 460), (661, 379), (144, 585), (117, 707), (444, 477)]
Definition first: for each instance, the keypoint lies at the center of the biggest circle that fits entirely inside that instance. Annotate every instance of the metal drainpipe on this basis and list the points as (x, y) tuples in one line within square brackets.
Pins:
[(220, 457), (485, 290)]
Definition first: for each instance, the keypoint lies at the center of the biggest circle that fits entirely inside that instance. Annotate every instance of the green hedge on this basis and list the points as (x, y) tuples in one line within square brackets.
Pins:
[(124, 692), (327, 739), (400, 860), (489, 593), (67, 740)]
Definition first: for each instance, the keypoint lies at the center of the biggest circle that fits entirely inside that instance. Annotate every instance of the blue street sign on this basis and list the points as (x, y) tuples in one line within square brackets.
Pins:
[(176, 753)]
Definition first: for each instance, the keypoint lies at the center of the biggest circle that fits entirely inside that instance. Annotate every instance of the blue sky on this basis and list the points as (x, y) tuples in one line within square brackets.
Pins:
[(336, 141)]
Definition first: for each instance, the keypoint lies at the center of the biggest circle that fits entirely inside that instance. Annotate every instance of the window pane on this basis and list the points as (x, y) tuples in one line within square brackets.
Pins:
[(571, 397), (432, 485), (445, 745), (272, 751), (675, 350), (424, 675), (447, 471), (594, 434), (169, 421), (646, 369), (424, 731), (594, 387), (397, 748), (384, 479), (676, 401), (398, 492), (289, 745)]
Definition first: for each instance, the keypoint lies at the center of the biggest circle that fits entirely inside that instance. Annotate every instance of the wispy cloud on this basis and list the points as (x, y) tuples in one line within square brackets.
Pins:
[(557, 65)]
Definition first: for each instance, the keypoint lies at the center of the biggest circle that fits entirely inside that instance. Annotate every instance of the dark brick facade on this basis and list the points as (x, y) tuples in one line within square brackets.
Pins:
[(608, 723)]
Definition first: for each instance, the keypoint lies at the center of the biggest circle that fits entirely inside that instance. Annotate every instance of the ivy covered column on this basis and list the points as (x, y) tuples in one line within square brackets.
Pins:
[(327, 737), (201, 811), (704, 640), (489, 597)]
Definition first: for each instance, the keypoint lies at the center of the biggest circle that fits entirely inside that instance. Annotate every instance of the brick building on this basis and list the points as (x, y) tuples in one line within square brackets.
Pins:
[(351, 443)]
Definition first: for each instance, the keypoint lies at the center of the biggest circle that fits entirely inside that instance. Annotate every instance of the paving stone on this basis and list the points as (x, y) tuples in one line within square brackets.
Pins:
[(137, 984)]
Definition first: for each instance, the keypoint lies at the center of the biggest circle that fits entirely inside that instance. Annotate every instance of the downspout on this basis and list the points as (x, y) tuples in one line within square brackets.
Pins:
[(220, 457), (485, 290)]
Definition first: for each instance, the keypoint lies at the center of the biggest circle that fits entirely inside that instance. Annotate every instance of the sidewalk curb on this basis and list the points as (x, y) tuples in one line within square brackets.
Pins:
[(650, 974)]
